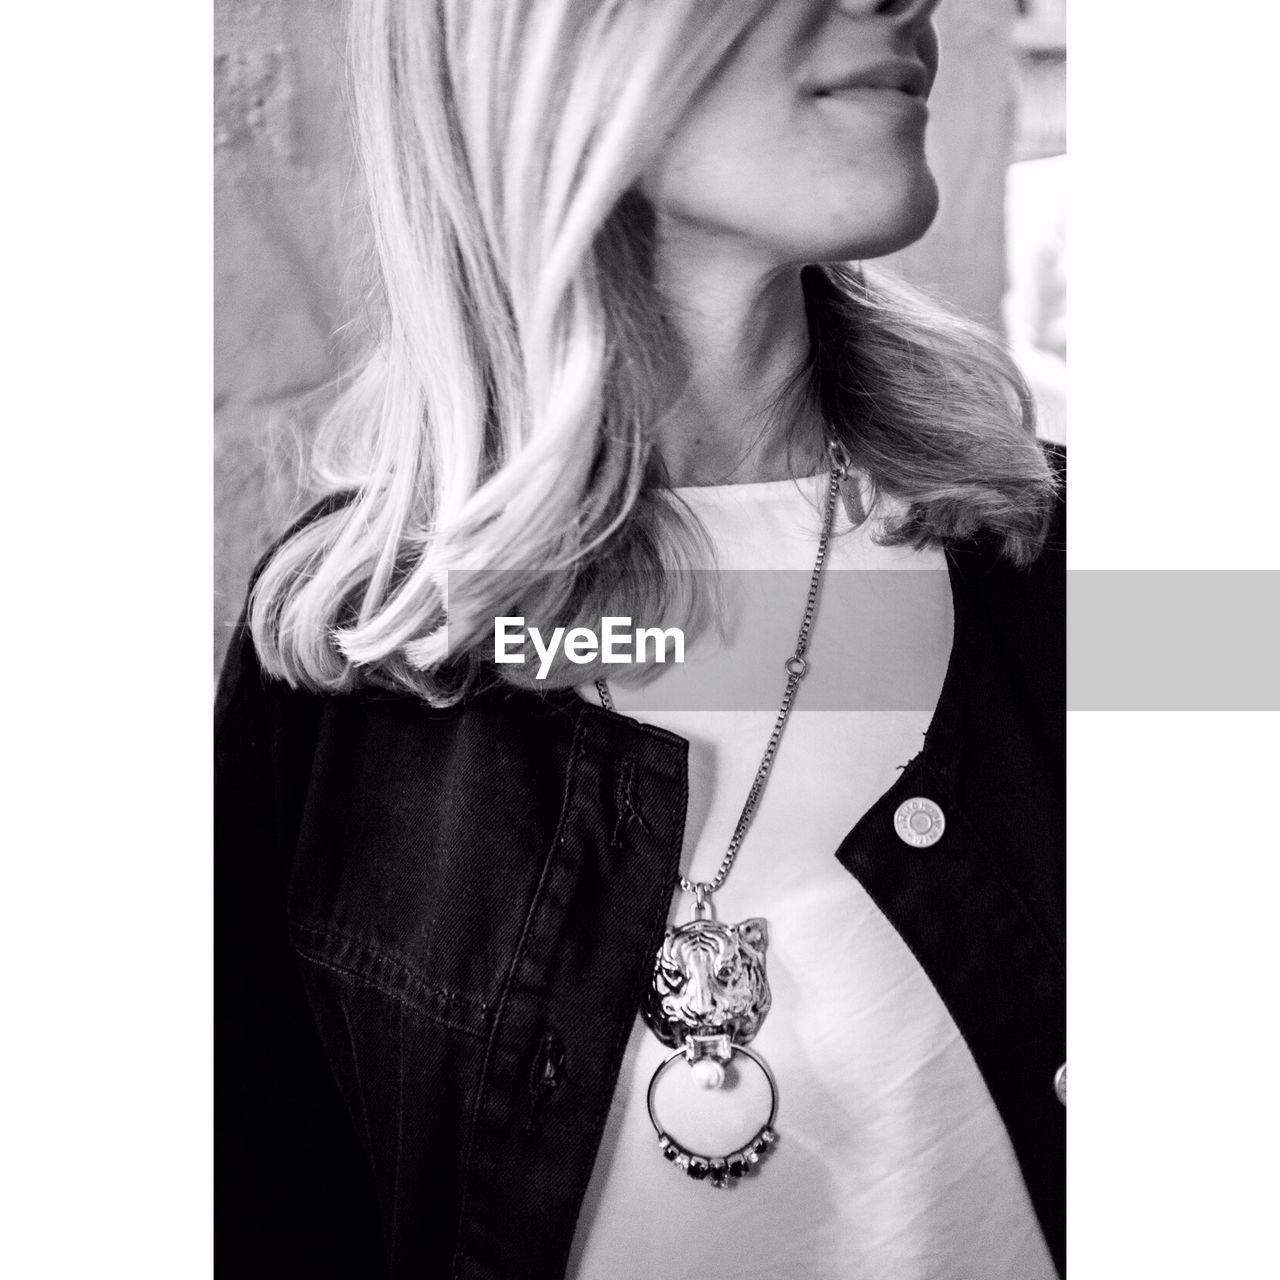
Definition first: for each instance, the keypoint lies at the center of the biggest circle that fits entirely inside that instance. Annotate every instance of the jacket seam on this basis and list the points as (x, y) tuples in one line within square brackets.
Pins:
[(365, 981), (599, 1117), (320, 931), (566, 816), (311, 954)]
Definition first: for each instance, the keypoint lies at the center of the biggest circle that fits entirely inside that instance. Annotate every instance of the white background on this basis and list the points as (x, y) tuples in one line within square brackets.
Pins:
[(105, 893), (1175, 448)]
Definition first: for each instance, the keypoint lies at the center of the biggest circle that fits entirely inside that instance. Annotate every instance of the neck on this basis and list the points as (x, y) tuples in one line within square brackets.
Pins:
[(741, 327)]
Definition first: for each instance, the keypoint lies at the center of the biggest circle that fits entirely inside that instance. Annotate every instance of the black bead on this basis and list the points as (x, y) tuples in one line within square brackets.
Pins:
[(697, 1169), (670, 1152), (737, 1168)]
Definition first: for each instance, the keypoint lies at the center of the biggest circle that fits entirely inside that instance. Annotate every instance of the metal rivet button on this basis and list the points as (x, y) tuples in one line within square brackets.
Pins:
[(919, 822), (1060, 1083)]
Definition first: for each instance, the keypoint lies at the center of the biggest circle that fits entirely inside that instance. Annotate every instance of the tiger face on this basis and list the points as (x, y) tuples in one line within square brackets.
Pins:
[(709, 979)]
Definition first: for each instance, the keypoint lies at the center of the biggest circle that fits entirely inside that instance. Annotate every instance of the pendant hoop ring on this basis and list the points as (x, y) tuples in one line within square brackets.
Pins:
[(734, 1164)]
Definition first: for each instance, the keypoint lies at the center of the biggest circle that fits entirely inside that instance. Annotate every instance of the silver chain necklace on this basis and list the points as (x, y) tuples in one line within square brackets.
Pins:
[(709, 993)]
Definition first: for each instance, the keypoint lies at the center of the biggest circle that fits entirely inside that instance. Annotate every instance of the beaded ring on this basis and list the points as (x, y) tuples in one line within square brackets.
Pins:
[(717, 1170)]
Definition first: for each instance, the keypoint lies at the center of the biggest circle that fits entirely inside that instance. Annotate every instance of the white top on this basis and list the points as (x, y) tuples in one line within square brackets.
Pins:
[(892, 1160)]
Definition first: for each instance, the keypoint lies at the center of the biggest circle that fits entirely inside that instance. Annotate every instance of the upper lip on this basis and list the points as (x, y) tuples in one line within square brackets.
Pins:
[(905, 74)]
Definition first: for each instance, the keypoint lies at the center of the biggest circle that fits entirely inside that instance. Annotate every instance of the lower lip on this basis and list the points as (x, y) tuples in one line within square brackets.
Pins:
[(896, 101)]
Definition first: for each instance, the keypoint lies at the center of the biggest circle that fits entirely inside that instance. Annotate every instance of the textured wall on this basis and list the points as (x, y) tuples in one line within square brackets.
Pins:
[(282, 251), (284, 235)]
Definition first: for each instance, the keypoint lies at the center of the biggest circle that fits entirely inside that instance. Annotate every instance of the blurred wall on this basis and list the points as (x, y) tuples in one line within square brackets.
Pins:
[(285, 233), (284, 241), (971, 138)]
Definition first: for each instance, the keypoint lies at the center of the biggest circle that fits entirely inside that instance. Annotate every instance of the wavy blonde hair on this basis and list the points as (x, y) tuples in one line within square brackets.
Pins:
[(504, 415)]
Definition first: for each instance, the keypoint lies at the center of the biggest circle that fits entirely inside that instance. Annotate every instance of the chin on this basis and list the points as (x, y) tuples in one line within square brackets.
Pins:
[(891, 220)]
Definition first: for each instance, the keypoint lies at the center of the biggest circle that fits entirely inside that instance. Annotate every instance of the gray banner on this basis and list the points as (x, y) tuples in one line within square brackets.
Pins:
[(1173, 640), (1137, 640)]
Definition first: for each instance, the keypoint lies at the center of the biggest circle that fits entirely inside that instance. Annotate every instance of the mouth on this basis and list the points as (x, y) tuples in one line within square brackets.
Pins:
[(902, 75)]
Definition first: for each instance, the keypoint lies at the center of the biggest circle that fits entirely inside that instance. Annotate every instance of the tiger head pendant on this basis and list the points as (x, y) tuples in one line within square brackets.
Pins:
[(709, 980)]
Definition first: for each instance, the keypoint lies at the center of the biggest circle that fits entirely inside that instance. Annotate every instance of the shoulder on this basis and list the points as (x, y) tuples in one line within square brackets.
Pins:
[(319, 509), (241, 669), (1056, 455), (985, 551), (1025, 605)]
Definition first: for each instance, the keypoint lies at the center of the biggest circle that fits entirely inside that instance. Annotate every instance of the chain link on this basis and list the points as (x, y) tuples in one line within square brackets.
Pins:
[(796, 666)]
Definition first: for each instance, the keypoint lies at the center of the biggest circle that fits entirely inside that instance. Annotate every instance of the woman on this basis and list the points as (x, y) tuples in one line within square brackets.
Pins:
[(614, 346)]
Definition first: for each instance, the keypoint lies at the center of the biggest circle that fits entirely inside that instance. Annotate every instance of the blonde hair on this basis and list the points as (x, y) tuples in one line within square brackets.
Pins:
[(503, 417)]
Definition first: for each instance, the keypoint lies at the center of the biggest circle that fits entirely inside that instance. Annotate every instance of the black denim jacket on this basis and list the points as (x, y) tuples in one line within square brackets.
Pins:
[(433, 929)]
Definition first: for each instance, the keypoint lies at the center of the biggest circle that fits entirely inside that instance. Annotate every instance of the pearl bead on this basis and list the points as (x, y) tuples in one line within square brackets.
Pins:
[(707, 1073)]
